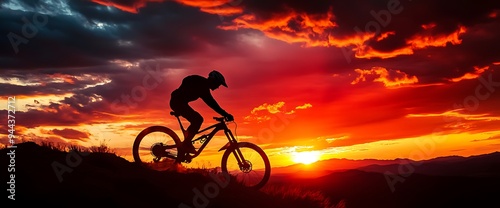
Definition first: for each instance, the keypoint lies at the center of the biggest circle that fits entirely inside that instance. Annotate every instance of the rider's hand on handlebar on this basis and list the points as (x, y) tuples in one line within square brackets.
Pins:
[(229, 117)]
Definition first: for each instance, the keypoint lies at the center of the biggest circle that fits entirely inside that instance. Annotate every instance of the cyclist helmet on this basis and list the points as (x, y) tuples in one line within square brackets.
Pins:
[(218, 77)]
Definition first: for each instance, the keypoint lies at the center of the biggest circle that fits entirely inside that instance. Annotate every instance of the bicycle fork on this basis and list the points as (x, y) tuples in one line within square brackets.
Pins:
[(242, 163)]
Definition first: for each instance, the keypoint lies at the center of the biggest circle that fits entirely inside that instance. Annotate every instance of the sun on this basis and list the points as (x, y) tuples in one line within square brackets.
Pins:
[(306, 157)]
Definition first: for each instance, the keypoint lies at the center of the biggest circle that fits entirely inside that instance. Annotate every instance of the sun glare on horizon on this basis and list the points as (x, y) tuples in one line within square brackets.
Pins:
[(306, 157)]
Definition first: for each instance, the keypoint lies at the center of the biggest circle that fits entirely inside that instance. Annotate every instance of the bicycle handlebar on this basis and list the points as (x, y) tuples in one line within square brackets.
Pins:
[(221, 119)]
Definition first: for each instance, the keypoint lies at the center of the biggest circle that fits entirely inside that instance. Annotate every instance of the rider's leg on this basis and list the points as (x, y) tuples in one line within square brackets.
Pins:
[(195, 120)]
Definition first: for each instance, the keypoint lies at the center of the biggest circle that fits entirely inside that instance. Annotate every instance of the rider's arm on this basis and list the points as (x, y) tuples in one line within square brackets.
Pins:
[(210, 101)]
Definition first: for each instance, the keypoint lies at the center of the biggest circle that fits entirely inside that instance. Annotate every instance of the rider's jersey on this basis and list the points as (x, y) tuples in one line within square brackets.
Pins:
[(194, 87)]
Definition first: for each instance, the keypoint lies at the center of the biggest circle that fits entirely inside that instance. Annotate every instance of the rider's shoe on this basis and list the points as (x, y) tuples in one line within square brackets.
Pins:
[(188, 147)]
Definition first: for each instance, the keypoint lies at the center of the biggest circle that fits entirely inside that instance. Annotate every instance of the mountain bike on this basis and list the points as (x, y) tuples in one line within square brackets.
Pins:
[(159, 146)]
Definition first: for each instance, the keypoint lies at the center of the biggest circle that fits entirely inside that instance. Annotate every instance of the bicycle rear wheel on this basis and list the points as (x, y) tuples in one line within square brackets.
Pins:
[(156, 147), (248, 164)]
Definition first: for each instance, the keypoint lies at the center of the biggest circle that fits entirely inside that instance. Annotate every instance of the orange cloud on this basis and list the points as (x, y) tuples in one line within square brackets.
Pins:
[(471, 75), (429, 26), (357, 40), (132, 8), (292, 27), (311, 30), (458, 120), (368, 52), (271, 108), (305, 106), (314, 30), (428, 40), (203, 3), (390, 78), (385, 35), (418, 41), (219, 7), (262, 112), (224, 11), (64, 78), (456, 115)]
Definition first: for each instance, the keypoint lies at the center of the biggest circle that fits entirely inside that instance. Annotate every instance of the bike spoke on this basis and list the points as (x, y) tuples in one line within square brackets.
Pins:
[(249, 179), (156, 149), (248, 166)]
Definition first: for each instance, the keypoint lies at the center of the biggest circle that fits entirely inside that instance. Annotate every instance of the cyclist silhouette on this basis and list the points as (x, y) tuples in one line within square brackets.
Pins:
[(192, 88)]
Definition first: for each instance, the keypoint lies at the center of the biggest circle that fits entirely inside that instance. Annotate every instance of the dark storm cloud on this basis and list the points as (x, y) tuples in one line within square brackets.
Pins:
[(439, 64), (60, 113), (403, 17), (128, 91), (126, 5), (93, 34), (40, 83), (415, 29), (435, 41)]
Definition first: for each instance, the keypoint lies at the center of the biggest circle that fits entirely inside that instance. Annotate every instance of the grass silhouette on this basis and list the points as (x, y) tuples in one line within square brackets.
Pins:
[(101, 148), (302, 197)]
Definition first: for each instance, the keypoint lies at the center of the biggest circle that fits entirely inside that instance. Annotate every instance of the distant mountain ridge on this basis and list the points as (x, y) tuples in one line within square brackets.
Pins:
[(453, 181), (476, 165), (446, 165)]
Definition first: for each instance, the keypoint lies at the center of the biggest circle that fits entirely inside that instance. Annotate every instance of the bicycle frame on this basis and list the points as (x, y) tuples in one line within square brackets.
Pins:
[(205, 139), (221, 125), (172, 149)]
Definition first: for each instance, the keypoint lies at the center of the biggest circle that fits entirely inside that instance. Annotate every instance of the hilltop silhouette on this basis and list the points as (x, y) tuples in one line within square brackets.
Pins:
[(105, 179)]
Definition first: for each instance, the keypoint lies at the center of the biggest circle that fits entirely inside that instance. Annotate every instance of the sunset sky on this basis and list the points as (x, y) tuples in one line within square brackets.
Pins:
[(338, 79)]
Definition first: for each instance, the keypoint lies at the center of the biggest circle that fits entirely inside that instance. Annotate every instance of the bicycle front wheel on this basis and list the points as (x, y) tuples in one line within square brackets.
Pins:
[(156, 148), (248, 164)]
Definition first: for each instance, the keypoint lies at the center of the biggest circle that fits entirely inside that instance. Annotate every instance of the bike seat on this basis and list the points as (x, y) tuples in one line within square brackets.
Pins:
[(175, 113)]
